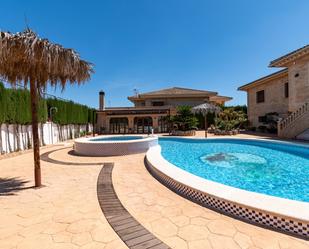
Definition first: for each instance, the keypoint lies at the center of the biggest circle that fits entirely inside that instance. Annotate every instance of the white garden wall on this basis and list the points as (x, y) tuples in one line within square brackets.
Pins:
[(19, 137)]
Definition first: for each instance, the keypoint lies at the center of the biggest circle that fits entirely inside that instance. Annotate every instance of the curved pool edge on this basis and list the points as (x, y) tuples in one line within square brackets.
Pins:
[(276, 213), (88, 147)]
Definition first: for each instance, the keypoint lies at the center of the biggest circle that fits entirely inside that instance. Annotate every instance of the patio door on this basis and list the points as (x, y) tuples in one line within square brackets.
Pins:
[(118, 125), (142, 125)]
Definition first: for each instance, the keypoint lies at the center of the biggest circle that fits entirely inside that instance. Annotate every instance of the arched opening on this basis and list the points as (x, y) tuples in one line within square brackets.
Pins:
[(142, 124), (118, 125)]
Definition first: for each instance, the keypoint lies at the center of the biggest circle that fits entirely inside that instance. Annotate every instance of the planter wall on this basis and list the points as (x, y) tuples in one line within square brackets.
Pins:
[(226, 133), (183, 133)]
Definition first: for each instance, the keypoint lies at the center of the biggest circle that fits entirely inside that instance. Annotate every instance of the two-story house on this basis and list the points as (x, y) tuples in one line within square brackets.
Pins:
[(285, 92), (150, 109)]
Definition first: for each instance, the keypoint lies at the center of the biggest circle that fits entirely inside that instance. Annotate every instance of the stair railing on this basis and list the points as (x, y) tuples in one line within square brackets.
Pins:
[(293, 116)]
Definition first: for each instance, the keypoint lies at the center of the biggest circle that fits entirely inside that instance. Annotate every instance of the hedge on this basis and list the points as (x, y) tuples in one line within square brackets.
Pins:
[(69, 112), (15, 109)]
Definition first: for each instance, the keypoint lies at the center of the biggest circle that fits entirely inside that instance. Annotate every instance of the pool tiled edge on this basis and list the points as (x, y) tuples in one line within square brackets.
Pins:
[(273, 221), (130, 231)]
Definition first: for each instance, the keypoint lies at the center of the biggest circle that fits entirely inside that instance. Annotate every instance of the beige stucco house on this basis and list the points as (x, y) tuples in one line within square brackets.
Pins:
[(150, 109), (285, 92)]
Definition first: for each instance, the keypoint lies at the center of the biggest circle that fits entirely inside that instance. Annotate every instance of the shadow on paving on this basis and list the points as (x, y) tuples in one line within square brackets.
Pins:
[(45, 157), (9, 186)]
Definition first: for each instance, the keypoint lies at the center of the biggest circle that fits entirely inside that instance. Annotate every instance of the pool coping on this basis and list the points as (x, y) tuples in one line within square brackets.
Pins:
[(89, 141), (86, 147), (275, 206)]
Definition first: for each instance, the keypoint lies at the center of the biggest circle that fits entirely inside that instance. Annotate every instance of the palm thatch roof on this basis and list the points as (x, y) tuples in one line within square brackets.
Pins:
[(24, 56), (206, 108)]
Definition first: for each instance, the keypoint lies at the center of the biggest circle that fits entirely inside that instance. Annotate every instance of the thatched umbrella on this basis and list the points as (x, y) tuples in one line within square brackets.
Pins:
[(204, 109), (26, 58)]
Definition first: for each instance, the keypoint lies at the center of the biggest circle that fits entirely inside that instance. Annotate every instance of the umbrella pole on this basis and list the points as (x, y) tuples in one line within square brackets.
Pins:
[(205, 126), (35, 134)]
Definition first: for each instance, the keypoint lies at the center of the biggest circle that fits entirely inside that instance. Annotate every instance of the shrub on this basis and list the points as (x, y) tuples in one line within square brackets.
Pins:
[(185, 119), (230, 119)]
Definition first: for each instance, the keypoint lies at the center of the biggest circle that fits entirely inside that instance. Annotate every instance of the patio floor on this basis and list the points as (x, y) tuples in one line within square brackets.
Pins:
[(65, 213)]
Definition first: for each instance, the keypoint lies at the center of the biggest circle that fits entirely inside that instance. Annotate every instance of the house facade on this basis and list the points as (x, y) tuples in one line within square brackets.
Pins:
[(285, 92), (150, 110)]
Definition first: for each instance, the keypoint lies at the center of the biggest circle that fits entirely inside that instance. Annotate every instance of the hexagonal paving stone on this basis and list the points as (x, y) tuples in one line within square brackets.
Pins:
[(42, 241), (200, 244), (222, 242), (221, 227), (164, 227), (193, 232), (103, 233), (62, 237), (243, 240), (81, 239), (180, 220), (176, 243), (199, 221), (83, 225)]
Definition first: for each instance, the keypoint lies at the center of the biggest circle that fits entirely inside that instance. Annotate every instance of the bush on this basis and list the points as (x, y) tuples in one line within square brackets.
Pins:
[(262, 128), (15, 108), (69, 112), (230, 119), (184, 120), (251, 128)]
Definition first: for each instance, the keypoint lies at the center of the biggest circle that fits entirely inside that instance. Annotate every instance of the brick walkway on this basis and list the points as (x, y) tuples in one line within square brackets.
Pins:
[(127, 227)]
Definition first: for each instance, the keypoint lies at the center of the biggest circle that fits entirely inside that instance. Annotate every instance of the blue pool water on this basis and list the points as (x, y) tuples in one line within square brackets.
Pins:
[(270, 168), (117, 138)]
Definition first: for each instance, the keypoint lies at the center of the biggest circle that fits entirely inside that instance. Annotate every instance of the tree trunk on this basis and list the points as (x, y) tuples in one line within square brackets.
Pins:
[(28, 138), (23, 137), (1, 147), (9, 148), (42, 134), (35, 133), (17, 137)]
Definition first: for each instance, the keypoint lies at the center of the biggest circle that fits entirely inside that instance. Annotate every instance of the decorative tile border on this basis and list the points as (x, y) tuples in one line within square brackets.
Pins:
[(258, 217), (131, 232)]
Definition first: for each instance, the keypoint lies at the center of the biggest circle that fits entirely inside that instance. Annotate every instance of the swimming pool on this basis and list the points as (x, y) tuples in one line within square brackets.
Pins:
[(271, 168), (116, 138)]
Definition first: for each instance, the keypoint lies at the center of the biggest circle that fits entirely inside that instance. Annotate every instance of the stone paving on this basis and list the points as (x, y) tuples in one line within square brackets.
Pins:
[(65, 213)]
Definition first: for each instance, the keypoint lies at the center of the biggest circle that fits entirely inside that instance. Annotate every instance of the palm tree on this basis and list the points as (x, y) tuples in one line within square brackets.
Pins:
[(26, 58)]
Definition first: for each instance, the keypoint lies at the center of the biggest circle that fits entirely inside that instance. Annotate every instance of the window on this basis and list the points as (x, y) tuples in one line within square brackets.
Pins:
[(158, 103), (286, 90), (262, 119), (260, 96)]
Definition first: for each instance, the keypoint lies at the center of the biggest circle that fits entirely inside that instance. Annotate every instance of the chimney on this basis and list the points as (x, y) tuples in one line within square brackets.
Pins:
[(101, 101)]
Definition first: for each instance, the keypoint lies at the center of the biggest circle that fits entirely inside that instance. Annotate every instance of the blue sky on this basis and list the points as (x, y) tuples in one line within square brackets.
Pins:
[(152, 44)]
